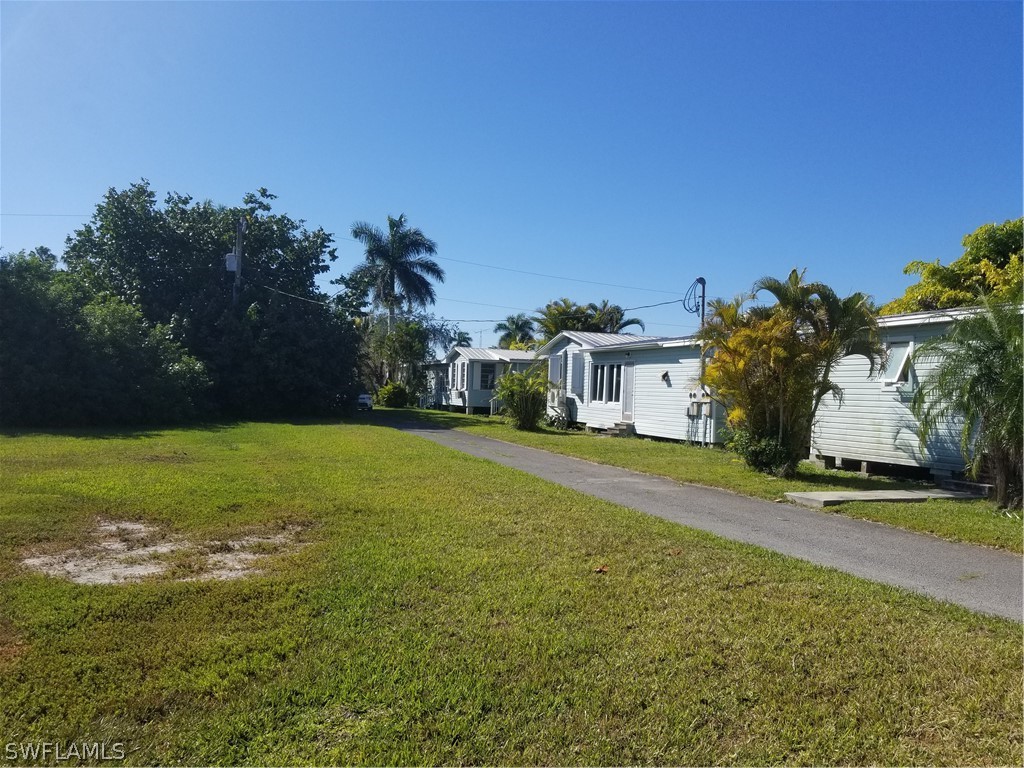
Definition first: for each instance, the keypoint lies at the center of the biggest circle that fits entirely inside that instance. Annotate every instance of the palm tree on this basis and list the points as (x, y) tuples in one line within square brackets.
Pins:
[(398, 265), (835, 327), (980, 378), (610, 318), (515, 328), (463, 339), (562, 315)]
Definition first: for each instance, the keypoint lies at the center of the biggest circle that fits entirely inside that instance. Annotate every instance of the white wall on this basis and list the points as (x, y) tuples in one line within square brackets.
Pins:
[(874, 422)]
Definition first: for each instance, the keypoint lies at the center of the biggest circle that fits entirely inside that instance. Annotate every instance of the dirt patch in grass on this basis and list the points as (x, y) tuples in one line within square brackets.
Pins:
[(119, 552), (11, 643)]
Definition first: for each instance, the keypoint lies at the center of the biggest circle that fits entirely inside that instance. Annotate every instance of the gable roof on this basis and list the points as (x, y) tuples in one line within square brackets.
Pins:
[(662, 342), (490, 355), (929, 317), (589, 340)]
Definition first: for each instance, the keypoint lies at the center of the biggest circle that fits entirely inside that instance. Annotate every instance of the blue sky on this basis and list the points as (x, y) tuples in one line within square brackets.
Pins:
[(631, 144)]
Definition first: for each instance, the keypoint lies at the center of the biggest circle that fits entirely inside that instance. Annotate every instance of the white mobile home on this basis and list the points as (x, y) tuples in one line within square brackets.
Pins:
[(471, 374), (873, 423), (647, 385)]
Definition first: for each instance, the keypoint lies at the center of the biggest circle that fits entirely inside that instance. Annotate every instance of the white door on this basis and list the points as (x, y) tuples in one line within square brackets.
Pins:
[(627, 392)]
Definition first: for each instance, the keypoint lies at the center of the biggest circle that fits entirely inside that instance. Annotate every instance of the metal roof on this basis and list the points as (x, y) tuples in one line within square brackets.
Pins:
[(595, 340), (927, 318), (491, 355), (653, 343)]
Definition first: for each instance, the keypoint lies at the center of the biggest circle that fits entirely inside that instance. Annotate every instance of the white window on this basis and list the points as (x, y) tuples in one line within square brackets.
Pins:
[(606, 383), (487, 372), (898, 370), (555, 369), (462, 374)]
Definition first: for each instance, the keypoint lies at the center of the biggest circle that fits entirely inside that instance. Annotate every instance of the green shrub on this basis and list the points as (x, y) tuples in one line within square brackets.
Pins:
[(765, 454), (393, 395), (523, 396)]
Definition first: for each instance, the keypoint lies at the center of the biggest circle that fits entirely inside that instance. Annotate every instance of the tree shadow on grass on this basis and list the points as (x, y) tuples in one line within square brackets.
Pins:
[(852, 482), (114, 432), (422, 419)]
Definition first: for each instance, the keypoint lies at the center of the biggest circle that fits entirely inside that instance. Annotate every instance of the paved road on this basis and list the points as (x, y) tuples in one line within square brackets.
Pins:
[(979, 578)]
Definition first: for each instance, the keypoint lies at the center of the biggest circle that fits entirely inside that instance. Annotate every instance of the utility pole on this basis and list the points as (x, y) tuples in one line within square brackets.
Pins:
[(691, 303), (237, 286)]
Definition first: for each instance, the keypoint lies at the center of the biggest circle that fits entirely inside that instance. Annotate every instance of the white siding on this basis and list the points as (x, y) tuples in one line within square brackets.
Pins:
[(660, 405), (599, 415), (874, 422), (560, 364)]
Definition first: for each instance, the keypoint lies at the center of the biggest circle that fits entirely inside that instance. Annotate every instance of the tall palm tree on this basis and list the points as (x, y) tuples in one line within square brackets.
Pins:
[(515, 328), (980, 377), (610, 318), (463, 339), (398, 265)]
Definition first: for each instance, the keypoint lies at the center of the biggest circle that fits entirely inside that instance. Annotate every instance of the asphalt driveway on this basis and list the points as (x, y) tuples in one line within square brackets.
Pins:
[(982, 579)]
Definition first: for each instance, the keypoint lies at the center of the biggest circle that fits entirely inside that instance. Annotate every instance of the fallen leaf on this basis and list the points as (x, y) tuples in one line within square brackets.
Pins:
[(601, 569)]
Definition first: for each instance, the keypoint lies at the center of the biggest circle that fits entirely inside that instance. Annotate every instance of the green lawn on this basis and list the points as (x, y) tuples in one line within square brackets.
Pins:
[(448, 610), (976, 522)]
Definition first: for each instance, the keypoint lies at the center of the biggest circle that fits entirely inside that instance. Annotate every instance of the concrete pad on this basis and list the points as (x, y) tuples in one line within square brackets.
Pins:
[(819, 499)]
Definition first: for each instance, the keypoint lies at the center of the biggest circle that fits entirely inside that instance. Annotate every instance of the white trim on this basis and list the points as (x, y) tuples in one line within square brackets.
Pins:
[(906, 363)]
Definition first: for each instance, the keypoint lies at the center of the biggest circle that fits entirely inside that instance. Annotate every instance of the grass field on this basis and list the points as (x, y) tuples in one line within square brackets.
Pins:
[(976, 522), (448, 610)]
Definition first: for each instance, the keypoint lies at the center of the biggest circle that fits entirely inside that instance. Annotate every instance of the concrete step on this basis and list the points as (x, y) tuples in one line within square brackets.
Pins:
[(819, 499), (981, 489)]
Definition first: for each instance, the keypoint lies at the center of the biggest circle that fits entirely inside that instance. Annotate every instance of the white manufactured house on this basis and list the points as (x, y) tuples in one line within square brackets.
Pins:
[(873, 423), (471, 373), (642, 384)]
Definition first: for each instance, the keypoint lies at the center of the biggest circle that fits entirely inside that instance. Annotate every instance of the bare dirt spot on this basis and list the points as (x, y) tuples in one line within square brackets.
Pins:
[(119, 552), (11, 644)]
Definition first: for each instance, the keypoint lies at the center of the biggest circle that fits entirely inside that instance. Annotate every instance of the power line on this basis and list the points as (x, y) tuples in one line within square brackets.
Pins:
[(462, 320), (442, 258), (55, 215), (648, 306), (558, 277)]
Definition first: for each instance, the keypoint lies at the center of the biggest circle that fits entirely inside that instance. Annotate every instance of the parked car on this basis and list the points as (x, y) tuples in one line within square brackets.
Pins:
[(365, 403)]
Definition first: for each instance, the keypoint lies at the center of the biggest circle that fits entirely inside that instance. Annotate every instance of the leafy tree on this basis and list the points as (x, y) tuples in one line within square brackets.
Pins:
[(610, 318), (398, 266), (991, 264), (980, 377), (70, 358), (280, 349), (514, 329), (524, 396), (401, 355), (136, 374), (40, 341), (393, 395)]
